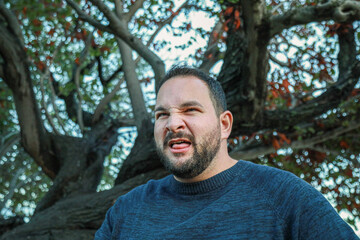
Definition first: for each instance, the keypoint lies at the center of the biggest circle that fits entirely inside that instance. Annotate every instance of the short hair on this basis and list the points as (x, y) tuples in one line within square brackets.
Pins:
[(216, 92)]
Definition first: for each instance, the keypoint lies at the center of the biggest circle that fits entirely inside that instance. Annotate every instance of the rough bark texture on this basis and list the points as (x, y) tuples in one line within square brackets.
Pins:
[(143, 156), (77, 217), (245, 65)]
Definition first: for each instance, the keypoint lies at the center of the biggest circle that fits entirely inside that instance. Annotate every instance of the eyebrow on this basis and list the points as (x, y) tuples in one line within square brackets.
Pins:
[(183, 105)]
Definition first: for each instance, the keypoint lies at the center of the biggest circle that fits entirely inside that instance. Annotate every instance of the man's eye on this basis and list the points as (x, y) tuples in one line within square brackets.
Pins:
[(159, 115), (191, 110)]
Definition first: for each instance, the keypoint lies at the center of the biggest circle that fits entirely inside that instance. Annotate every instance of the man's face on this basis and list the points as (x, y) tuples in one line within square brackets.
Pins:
[(187, 130)]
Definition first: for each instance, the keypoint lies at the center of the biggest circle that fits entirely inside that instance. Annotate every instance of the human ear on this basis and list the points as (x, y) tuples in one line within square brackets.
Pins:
[(226, 121)]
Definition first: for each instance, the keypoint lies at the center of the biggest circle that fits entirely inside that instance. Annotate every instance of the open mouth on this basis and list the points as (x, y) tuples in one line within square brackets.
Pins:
[(179, 144)]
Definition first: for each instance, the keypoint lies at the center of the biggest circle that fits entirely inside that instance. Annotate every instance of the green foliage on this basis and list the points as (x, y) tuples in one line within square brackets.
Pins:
[(19, 173)]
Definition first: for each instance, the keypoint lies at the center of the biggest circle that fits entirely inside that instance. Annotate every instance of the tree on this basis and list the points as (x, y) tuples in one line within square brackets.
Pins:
[(74, 72)]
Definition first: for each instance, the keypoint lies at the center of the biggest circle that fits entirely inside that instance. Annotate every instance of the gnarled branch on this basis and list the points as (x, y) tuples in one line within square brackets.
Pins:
[(339, 11)]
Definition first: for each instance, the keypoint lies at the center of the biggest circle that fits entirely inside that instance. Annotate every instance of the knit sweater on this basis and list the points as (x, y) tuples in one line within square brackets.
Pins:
[(246, 201)]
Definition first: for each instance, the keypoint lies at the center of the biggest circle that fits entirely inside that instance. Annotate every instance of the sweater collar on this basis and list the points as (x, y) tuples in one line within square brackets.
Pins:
[(207, 185)]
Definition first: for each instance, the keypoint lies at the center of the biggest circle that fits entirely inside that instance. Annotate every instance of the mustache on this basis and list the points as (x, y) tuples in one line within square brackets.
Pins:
[(172, 135)]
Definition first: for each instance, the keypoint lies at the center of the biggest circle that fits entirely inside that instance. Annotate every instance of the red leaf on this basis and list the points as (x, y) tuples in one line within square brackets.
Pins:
[(104, 49), (275, 143), (237, 14), (51, 32), (40, 65), (349, 172), (286, 85), (288, 102), (36, 22), (228, 10), (77, 60), (355, 92), (188, 26), (67, 25), (274, 93), (344, 144), (237, 23), (283, 137)]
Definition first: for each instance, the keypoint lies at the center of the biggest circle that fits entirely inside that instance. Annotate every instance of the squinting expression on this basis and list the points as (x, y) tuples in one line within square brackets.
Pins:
[(187, 130)]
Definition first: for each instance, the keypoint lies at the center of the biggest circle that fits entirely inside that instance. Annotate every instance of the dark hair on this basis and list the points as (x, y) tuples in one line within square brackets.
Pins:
[(217, 94)]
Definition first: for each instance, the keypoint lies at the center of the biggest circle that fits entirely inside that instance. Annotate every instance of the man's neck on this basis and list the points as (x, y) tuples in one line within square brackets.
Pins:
[(217, 166)]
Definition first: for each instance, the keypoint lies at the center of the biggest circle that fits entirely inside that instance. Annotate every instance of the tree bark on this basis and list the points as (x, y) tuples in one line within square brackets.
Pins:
[(243, 74), (76, 217)]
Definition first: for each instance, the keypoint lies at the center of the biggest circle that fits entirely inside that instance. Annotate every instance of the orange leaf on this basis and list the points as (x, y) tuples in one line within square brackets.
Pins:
[(229, 10), (275, 143), (188, 26), (274, 94), (237, 14), (51, 32), (77, 60), (288, 102), (283, 137), (344, 144), (36, 22), (286, 85), (40, 65), (67, 25), (237, 23)]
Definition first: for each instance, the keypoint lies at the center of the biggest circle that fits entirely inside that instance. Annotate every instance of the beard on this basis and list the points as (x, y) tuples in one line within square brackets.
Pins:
[(203, 155)]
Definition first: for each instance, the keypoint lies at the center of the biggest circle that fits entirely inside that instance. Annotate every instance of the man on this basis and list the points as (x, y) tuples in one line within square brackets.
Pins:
[(210, 195)]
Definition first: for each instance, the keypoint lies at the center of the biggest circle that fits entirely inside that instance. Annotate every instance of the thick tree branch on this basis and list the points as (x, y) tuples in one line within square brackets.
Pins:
[(118, 28), (253, 151), (349, 73), (101, 106), (13, 23), (44, 105), (17, 77), (133, 85), (339, 11), (212, 53), (80, 212), (87, 18)]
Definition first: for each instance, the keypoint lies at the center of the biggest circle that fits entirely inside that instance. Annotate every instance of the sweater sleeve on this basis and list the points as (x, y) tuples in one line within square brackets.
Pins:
[(306, 213), (115, 217), (106, 230), (319, 220)]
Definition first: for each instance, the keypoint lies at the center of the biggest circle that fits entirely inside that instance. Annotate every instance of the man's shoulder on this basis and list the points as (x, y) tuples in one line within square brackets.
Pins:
[(257, 173), (143, 191), (276, 184)]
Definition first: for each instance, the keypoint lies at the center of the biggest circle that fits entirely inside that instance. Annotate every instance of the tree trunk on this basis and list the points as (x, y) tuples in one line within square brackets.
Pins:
[(76, 217), (243, 75)]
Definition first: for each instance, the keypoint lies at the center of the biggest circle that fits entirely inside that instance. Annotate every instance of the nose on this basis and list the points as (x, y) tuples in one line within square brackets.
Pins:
[(175, 123)]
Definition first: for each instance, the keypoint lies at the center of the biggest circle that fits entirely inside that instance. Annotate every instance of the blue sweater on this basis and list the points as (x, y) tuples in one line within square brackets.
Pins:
[(247, 201)]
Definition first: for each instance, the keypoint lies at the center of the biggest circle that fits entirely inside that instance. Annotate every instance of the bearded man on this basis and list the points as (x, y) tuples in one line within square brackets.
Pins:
[(210, 195)]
